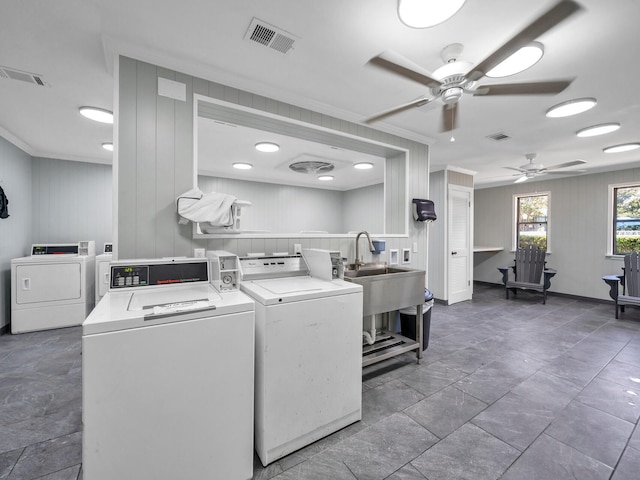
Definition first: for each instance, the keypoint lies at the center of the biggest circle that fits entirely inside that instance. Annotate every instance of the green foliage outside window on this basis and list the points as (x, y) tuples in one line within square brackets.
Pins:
[(627, 220), (532, 220)]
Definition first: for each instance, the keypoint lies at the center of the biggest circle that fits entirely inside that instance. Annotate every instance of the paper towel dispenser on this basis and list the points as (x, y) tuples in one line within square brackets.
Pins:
[(423, 210)]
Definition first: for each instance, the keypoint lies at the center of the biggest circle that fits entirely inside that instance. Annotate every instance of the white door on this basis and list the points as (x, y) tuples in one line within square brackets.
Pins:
[(460, 282)]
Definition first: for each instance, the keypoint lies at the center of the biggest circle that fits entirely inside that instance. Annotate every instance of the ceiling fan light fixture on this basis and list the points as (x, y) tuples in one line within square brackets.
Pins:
[(518, 62), (242, 166), (267, 147), (571, 107), (97, 114), (427, 13), (625, 147), (598, 130), (363, 165)]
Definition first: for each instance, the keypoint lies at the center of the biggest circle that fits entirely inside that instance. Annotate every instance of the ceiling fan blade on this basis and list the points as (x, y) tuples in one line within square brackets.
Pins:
[(396, 63), (523, 178), (407, 106), (572, 172), (542, 24), (565, 165), (449, 117), (521, 170), (531, 88)]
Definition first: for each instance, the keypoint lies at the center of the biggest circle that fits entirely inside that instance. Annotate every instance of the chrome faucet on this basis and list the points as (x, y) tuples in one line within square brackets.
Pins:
[(358, 262)]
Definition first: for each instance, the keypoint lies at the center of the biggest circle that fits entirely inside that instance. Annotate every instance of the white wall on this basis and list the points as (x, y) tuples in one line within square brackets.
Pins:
[(71, 202), (154, 164), (363, 209), (578, 224), (15, 231)]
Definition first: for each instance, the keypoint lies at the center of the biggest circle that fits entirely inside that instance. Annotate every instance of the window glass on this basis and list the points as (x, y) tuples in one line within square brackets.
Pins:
[(626, 219), (532, 221)]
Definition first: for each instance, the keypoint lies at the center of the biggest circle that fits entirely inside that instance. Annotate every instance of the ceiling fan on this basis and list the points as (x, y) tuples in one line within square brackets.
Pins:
[(532, 169), (456, 78)]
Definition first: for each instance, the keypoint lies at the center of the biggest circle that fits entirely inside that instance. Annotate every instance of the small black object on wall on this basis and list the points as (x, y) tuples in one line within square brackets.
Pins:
[(424, 210), (4, 204)]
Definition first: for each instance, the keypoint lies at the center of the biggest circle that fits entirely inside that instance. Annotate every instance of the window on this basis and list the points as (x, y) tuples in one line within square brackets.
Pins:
[(532, 217), (625, 231)]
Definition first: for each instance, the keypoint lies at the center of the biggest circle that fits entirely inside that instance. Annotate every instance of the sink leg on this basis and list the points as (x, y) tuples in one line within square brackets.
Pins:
[(419, 331)]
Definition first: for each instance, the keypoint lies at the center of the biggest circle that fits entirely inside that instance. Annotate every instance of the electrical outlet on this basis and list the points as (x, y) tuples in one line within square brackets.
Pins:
[(406, 255), (393, 256)]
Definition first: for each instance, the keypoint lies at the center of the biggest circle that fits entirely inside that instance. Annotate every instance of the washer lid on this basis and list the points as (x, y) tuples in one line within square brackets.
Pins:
[(126, 309), (293, 289)]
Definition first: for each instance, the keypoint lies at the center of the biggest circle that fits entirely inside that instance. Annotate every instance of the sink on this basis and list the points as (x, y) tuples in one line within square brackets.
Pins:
[(387, 288)]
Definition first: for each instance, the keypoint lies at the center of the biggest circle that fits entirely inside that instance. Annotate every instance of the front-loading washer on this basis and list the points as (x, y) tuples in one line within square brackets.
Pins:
[(53, 287), (167, 375), (308, 376)]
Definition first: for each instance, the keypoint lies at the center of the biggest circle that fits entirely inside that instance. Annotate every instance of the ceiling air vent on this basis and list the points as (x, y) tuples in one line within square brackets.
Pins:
[(13, 74), (498, 137), (312, 167), (270, 36)]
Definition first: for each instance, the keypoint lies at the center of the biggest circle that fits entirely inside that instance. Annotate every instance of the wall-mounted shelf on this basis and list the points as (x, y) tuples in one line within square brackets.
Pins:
[(487, 249)]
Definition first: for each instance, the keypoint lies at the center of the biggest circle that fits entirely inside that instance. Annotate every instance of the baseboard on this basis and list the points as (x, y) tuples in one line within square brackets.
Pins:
[(552, 294)]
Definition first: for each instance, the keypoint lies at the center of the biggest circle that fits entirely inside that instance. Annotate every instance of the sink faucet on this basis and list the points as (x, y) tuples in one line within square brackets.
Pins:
[(357, 263)]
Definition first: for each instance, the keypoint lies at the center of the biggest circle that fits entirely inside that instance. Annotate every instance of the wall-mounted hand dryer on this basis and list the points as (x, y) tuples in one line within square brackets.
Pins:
[(424, 210)]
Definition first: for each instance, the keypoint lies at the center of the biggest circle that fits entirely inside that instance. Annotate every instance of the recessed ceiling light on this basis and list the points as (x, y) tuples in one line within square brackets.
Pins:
[(363, 165), (268, 147), (571, 107), (325, 178), (621, 148), (427, 13), (598, 130), (242, 166), (97, 114), (108, 146), (524, 58)]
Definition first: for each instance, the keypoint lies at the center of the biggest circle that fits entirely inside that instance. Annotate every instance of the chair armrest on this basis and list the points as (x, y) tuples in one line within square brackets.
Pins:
[(549, 273), (505, 274)]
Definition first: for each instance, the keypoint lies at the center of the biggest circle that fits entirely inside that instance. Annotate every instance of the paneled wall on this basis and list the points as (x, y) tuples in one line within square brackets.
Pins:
[(15, 231), (577, 230), (154, 165), (71, 202)]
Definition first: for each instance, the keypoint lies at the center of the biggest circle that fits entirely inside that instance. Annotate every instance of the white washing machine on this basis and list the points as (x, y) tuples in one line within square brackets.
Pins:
[(308, 353), (102, 271), (53, 287), (167, 375)]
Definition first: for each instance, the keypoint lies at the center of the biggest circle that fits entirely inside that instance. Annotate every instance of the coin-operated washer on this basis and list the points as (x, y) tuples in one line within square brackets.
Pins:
[(167, 374), (308, 353)]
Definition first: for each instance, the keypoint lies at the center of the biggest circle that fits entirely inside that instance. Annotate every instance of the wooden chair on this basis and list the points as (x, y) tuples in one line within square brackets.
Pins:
[(528, 270), (630, 283)]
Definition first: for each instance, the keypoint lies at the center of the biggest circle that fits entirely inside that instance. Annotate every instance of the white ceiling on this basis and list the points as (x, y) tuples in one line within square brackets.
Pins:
[(71, 43)]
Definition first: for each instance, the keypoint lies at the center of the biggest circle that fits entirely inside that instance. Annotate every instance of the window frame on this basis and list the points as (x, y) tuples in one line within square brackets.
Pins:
[(611, 215), (515, 217)]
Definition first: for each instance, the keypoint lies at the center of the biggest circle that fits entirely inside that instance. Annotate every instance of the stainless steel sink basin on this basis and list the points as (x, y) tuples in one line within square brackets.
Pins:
[(387, 288)]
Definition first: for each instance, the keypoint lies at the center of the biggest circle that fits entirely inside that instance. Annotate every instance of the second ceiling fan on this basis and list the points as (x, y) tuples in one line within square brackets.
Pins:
[(457, 78)]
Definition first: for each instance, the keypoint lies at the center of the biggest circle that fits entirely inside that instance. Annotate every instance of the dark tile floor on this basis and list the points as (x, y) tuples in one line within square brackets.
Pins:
[(510, 390)]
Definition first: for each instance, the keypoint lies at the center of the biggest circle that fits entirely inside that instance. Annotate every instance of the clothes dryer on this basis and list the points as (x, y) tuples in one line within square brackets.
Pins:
[(308, 353), (53, 287), (102, 271), (167, 375)]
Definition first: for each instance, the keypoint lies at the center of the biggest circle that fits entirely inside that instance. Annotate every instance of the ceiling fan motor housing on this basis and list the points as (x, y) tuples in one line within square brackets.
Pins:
[(452, 95)]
